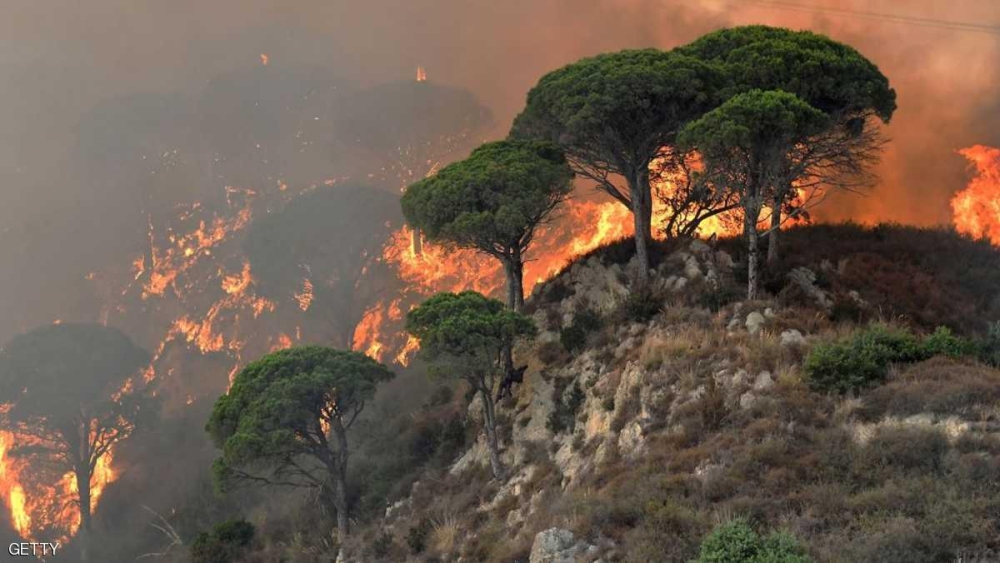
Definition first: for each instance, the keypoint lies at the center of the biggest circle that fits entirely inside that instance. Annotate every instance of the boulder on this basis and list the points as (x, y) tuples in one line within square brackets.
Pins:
[(755, 321), (557, 545), (792, 337)]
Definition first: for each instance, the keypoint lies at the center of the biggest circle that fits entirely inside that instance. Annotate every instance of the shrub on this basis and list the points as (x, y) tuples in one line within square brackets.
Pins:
[(641, 305), (943, 343), (989, 347), (563, 416), (574, 337), (737, 542), (416, 538), (226, 543), (842, 368), (863, 360)]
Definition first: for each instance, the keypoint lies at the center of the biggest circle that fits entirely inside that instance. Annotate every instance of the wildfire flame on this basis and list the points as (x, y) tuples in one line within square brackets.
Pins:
[(264, 59), (977, 208), (35, 507), (421, 74)]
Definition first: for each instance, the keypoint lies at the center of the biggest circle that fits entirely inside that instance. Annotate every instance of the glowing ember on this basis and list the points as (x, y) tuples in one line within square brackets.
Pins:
[(977, 208), (421, 74)]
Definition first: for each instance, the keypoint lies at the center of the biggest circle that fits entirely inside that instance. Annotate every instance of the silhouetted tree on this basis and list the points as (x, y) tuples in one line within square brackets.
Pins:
[(332, 237), (73, 392), (285, 421)]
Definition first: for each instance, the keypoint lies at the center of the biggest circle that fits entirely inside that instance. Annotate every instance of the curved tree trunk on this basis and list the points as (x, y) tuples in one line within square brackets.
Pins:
[(489, 416), (642, 215), (751, 215)]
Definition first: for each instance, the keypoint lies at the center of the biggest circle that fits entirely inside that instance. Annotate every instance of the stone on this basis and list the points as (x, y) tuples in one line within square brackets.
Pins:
[(763, 381), (755, 321), (805, 280), (747, 400), (792, 337), (769, 313), (632, 439), (692, 269), (557, 545)]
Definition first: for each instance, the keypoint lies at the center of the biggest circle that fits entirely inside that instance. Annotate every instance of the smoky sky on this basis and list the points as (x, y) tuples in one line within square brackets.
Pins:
[(61, 58)]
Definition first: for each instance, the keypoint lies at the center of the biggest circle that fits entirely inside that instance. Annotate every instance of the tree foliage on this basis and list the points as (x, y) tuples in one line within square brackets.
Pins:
[(744, 144), (333, 237), (73, 392), (493, 202), (284, 421), (614, 114), (465, 335), (831, 77)]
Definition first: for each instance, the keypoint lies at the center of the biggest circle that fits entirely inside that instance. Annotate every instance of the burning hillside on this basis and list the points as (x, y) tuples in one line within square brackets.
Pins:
[(977, 208)]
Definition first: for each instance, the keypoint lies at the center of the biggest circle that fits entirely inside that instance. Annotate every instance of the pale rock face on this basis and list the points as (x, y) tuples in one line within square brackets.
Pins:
[(747, 400), (557, 545), (763, 381), (537, 411), (632, 440), (792, 337), (755, 321)]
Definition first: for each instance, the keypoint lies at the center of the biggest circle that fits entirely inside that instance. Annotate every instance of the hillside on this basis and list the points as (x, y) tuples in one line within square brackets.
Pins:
[(647, 420)]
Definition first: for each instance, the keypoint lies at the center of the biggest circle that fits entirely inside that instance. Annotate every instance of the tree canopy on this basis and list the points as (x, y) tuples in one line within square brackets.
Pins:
[(333, 237), (828, 75), (466, 335), (73, 392), (273, 426), (745, 145), (615, 113), (493, 202)]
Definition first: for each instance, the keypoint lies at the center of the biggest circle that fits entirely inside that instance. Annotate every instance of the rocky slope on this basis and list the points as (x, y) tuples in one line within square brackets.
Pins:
[(645, 420)]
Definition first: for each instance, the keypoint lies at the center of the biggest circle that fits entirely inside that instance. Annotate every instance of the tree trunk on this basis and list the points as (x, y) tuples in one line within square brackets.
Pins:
[(489, 416), (512, 270), (642, 215), (775, 231), (83, 488), (340, 482), (518, 267), (752, 213)]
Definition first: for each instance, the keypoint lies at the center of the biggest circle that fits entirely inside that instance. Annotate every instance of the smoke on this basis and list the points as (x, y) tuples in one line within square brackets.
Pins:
[(62, 59)]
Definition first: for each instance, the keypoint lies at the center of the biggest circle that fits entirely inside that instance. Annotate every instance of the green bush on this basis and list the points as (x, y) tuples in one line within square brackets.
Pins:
[(737, 542), (574, 337), (226, 543), (943, 343), (863, 359)]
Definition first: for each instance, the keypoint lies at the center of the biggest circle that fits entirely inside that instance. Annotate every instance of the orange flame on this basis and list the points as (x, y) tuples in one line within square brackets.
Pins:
[(421, 74), (264, 59), (977, 208)]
